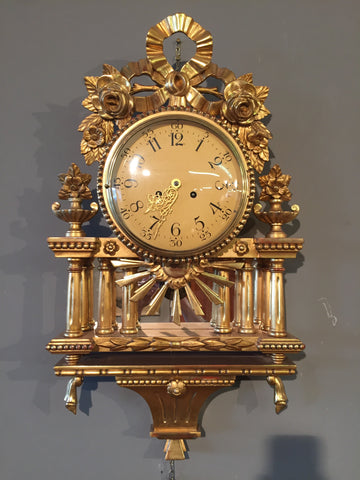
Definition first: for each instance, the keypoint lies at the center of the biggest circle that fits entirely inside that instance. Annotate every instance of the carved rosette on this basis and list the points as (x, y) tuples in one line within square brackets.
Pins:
[(113, 99)]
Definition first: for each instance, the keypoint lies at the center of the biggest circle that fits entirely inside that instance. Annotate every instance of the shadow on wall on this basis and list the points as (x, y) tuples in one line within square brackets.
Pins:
[(132, 405), (42, 279), (293, 457)]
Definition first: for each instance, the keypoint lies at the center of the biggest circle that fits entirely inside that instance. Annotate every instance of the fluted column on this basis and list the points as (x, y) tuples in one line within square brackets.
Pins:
[(106, 297), (73, 313)]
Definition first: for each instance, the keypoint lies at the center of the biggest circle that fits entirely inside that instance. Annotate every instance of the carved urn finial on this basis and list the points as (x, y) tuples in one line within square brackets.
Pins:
[(75, 189), (275, 191)]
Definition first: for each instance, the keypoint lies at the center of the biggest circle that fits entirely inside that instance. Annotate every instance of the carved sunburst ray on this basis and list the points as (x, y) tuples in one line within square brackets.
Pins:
[(176, 307), (129, 263), (193, 300), (123, 282), (140, 292), (219, 279), (210, 294), (154, 305), (227, 265)]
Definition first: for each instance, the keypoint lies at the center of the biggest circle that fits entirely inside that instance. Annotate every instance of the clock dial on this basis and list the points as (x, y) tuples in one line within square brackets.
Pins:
[(175, 183)]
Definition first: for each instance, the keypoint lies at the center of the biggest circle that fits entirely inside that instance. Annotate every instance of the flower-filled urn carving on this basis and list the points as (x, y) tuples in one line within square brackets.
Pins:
[(275, 185), (74, 184)]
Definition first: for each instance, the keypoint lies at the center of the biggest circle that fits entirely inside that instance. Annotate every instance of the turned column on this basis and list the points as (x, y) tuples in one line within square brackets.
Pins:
[(73, 312), (106, 297), (113, 281), (87, 295), (215, 310), (277, 303), (247, 298), (267, 296), (129, 310), (237, 298), (223, 320), (258, 292)]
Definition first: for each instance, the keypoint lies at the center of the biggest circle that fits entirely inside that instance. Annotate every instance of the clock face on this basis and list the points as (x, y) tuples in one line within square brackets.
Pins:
[(176, 184)]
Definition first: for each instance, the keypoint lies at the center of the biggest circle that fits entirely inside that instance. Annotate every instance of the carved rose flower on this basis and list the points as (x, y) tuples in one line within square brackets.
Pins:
[(94, 136), (275, 185), (75, 184), (256, 138), (241, 102), (112, 98)]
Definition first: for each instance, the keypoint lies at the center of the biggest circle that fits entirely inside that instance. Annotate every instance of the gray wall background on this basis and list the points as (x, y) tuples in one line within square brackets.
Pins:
[(307, 53)]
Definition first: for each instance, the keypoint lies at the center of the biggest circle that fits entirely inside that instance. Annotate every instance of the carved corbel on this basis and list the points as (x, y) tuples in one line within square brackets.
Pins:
[(71, 393), (280, 397)]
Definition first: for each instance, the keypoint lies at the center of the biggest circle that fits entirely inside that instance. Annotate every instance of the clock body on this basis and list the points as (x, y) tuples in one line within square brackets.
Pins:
[(176, 184)]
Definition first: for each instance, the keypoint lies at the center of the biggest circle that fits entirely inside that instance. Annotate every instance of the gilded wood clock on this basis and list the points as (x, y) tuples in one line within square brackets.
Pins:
[(178, 167)]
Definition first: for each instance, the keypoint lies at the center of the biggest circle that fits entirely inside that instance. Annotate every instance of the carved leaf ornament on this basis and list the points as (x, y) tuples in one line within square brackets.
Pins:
[(113, 100)]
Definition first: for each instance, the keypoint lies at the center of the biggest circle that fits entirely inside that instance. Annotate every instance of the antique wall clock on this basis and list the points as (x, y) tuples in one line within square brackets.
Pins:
[(179, 162)]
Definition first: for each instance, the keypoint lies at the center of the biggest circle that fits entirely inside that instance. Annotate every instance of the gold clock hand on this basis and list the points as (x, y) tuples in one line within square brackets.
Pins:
[(163, 202)]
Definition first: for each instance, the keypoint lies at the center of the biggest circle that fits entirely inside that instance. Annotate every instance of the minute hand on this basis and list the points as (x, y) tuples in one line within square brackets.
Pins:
[(163, 203)]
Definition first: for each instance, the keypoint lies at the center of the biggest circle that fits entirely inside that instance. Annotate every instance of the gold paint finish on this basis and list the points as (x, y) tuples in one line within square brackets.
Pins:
[(275, 191), (277, 301), (266, 320), (173, 24), (112, 98), (73, 313), (223, 325), (235, 284), (175, 449), (87, 300), (280, 397), (71, 394), (142, 369), (247, 299), (176, 388), (75, 189), (258, 292), (154, 337), (106, 298), (129, 313), (64, 247)]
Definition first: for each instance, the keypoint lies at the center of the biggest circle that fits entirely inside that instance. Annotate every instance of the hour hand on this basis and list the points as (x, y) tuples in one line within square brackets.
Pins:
[(162, 203)]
